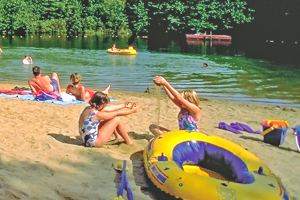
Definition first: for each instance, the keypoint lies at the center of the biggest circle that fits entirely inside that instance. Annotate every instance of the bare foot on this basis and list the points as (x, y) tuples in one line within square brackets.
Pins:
[(106, 90)]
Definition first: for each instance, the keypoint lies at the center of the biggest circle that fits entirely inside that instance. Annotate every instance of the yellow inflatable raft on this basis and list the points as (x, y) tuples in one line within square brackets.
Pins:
[(129, 51), (112, 51), (195, 166)]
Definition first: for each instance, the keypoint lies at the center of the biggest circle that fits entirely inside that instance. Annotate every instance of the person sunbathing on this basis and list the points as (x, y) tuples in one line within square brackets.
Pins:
[(43, 82), (81, 92)]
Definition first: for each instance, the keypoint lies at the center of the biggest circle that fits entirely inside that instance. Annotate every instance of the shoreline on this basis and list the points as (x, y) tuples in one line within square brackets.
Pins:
[(255, 101), (42, 157)]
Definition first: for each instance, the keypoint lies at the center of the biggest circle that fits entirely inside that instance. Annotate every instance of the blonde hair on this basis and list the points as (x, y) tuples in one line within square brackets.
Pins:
[(75, 78), (191, 96)]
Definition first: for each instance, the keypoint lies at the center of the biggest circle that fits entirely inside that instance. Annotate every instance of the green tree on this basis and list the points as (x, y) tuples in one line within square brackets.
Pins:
[(72, 14), (113, 15), (15, 16), (183, 16)]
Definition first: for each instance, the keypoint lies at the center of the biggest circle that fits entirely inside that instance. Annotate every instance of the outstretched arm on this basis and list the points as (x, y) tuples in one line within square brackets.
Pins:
[(105, 115), (176, 96), (118, 106), (172, 93)]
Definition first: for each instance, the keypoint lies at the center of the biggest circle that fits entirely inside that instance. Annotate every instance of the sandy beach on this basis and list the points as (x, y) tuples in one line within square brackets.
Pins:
[(43, 158)]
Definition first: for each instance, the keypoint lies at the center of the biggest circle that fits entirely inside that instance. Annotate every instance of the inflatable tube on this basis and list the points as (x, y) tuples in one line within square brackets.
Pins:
[(129, 51), (195, 166), (112, 51)]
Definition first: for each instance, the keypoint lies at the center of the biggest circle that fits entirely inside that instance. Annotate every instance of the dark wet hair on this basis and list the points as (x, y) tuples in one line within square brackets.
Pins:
[(36, 70), (98, 99)]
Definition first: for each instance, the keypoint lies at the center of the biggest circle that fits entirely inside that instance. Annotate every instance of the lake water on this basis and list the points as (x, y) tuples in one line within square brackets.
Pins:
[(228, 75)]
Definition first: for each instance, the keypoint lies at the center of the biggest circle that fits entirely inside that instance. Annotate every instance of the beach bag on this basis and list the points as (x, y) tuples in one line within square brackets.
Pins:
[(274, 131)]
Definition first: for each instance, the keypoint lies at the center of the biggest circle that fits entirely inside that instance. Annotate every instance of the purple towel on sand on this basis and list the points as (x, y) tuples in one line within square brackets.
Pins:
[(244, 127), (223, 125), (237, 127)]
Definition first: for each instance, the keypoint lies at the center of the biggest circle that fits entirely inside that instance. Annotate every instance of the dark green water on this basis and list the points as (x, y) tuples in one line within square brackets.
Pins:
[(228, 75)]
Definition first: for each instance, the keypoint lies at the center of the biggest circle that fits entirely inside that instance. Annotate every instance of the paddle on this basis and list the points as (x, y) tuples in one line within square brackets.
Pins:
[(124, 184)]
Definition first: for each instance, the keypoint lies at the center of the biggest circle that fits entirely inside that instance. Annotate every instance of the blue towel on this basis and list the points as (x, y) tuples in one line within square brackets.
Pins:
[(32, 97)]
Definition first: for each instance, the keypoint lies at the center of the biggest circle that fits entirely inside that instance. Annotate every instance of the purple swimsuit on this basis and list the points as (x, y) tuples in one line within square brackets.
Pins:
[(187, 122)]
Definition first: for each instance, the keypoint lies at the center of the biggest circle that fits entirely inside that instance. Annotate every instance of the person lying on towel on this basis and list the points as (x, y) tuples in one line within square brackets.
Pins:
[(81, 92), (43, 83)]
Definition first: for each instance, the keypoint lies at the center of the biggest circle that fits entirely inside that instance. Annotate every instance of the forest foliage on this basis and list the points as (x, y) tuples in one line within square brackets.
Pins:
[(117, 17)]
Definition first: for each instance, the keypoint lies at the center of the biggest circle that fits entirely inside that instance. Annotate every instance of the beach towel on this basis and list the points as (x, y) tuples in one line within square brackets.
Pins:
[(274, 131), (45, 97), (223, 125), (14, 91), (237, 127)]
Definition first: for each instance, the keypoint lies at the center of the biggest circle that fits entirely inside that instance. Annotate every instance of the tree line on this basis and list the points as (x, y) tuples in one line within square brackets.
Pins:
[(159, 19), (116, 17)]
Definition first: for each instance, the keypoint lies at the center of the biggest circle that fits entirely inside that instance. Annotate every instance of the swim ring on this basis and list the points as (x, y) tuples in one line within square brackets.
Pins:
[(195, 166)]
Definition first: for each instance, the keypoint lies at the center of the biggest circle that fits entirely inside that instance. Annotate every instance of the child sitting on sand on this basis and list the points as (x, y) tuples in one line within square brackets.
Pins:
[(190, 111), (99, 121), (79, 91)]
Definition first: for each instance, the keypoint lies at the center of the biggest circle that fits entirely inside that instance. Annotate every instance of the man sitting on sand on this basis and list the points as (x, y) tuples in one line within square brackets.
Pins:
[(43, 82), (81, 92)]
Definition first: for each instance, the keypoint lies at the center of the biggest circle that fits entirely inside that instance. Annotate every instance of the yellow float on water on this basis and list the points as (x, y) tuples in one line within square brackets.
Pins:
[(128, 51), (112, 50), (195, 166)]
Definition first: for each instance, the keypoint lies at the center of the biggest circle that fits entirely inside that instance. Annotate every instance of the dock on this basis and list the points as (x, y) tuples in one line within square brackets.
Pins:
[(219, 38)]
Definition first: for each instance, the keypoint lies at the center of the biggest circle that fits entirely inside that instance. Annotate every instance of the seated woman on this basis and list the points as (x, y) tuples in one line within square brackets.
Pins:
[(81, 92), (27, 60)]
